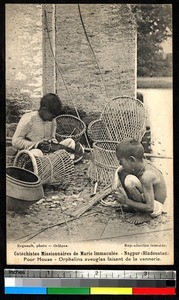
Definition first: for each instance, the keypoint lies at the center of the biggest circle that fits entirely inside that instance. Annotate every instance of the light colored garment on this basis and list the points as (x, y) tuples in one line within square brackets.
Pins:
[(32, 129), (158, 209), (69, 142)]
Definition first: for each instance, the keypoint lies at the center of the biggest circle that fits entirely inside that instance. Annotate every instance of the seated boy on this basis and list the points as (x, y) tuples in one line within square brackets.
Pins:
[(143, 187), (36, 128)]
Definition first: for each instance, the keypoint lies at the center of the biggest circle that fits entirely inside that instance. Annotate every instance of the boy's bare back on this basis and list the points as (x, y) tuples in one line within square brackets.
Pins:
[(150, 175)]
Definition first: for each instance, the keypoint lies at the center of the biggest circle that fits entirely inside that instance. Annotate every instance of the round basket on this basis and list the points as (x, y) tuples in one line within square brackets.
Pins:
[(23, 188), (104, 154), (69, 126), (55, 168)]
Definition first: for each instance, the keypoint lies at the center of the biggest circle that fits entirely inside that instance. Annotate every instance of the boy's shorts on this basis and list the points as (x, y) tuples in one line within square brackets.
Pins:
[(158, 209)]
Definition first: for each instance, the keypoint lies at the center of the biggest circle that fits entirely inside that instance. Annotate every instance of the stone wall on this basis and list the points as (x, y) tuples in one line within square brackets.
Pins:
[(112, 34), (36, 33), (24, 52)]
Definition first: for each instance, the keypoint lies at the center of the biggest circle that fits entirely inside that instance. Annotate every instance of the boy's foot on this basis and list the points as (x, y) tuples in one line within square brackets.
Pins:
[(138, 219)]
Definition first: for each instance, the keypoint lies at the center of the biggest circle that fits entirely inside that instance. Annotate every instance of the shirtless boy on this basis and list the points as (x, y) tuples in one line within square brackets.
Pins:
[(144, 185)]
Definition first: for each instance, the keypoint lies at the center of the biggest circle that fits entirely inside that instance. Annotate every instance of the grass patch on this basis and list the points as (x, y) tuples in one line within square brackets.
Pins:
[(154, 82)]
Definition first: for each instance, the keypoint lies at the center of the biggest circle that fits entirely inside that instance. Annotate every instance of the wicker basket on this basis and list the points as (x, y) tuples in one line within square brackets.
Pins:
[(69, 126), (55, 169), (103, 161), (23, 188)]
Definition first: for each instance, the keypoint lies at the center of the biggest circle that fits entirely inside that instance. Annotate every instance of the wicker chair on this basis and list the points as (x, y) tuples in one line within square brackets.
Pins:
[(122, 117)]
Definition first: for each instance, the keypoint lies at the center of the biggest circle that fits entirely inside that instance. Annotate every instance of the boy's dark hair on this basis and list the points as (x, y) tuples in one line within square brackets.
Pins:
[(130, 147), (52, 103)]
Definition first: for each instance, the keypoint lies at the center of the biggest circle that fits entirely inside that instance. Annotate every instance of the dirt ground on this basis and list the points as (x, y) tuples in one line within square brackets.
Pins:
[(99, 223)]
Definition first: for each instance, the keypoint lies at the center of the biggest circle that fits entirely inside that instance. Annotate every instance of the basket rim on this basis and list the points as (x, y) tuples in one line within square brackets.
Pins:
[(68, 135), (95, 146), (77, 135), (105, 166), (32, 157), (71, 116), (122, 97), (28, 171)]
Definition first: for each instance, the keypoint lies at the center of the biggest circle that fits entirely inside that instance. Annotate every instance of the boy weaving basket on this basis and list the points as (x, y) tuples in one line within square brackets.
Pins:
[(137, 183)]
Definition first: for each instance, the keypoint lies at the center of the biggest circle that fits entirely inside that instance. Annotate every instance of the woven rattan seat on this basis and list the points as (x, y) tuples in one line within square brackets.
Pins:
[(121, 118)]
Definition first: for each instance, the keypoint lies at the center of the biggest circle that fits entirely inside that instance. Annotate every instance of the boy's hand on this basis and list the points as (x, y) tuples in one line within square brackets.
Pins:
[(119, 191), (54, 141), (116, 181), (43, 146), (121, 198)]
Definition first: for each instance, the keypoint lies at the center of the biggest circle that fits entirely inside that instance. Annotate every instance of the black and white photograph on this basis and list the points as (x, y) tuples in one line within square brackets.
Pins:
[(89, 134)]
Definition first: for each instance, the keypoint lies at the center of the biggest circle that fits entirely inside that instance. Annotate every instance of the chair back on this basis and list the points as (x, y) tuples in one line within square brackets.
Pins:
[(122, 117)]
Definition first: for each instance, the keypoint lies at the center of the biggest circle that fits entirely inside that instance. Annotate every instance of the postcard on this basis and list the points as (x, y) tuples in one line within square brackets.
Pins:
[(80, 79)]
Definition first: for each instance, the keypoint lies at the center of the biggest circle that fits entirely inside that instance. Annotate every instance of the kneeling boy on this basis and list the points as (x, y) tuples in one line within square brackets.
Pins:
[(143, 183)]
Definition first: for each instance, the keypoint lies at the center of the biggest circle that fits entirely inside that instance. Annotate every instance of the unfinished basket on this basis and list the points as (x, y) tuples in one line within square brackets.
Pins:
[(69, 126), (103, 161), (122, 117), (56, 168)]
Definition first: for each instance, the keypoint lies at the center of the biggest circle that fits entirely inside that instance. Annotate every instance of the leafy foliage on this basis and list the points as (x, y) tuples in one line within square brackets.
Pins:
[(154, 25), (15, 108)]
